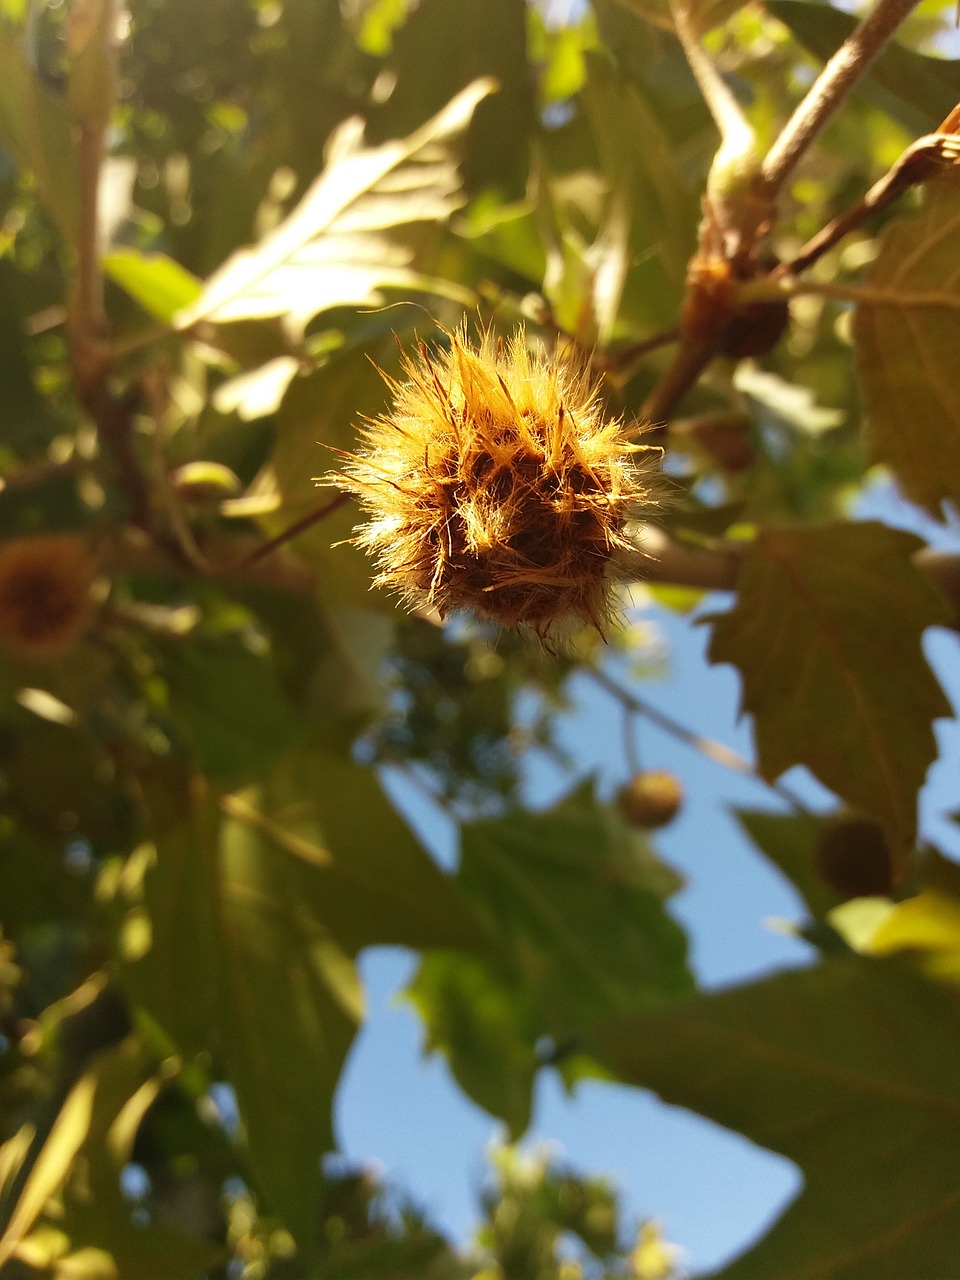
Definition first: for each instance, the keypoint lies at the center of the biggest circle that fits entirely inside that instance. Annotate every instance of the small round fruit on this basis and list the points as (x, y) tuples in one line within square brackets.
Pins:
[(852, 856), (651, 799)]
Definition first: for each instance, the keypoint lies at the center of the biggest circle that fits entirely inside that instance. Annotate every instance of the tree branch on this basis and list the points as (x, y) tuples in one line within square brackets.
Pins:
[(709, 747), (843, 70)]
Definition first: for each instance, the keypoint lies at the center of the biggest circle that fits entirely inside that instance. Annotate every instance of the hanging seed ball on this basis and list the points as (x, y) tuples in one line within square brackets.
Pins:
[(853, 857), (651, 799), (45, 600), (497, 484)]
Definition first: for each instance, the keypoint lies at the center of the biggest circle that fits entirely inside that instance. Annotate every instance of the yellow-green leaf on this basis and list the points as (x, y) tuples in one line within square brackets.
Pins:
[(334, 248), (928, 925)]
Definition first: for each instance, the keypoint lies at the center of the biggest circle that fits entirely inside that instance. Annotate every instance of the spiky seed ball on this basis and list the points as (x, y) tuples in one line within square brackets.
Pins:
[(651, 798), (497, 484), (45, 600)]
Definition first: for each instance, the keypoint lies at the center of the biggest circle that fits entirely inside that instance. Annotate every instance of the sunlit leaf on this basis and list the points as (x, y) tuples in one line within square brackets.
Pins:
[(333, 249), (51, 1167), (907, 333), (271, 992), (230, 705), (157, 282), (832, 681), (374, 882), (928, 926), (258, 902), (89, 1111), (35, 129), (847, 1069)]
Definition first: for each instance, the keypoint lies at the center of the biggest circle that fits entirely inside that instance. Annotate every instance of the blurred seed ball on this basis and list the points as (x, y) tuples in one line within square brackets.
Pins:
[(853, 857), (755, 330), (651, 799), (497, 484), (45, 594), (711, 313)]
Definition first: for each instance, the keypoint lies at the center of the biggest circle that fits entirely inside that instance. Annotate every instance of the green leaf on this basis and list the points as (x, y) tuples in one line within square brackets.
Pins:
[(487, 40), (332, 249), (847, 1069), (35, 128), (907, 333), (89, 1119), (374, 884), (258, 903), (158, 283), (573, 902), (826, 634), (575, 898), (289, 1004), (271, 994), (789, 841), (482, 1020), (916, 91), (230, 704)]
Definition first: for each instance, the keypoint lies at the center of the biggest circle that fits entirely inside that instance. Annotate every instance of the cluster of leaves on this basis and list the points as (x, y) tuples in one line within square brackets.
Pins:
[(194, 843)]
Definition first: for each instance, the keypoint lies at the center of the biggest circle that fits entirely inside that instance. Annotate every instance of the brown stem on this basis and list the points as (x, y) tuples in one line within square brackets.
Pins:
[(89, 341), (921, 161), (673, 564), (843, 70), (688, 364), (299, 526)]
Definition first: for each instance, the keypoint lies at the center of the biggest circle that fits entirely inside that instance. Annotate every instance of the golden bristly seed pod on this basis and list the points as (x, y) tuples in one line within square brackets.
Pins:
[(497, 484), (45, 594)]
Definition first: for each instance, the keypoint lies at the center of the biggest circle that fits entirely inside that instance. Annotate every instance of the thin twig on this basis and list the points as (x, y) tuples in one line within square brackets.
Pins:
[(771, 288), (87, 322), (630, 749), (713, 750), (843, 70), (294, 530), (736, 133), (921, 161), (689, 362)]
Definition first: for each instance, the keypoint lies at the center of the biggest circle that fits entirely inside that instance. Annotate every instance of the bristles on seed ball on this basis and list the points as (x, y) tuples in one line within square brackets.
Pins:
[(497, 484)]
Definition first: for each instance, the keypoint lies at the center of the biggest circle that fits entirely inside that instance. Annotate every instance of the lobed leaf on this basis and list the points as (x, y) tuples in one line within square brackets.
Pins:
[(333, 249), (906, 334), (573, 904), (847, 1069), (271, 994), (826, 634)]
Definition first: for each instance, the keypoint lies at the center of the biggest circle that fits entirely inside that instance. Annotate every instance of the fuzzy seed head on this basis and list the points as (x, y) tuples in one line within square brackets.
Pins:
[(45, 600), (497, 484)]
